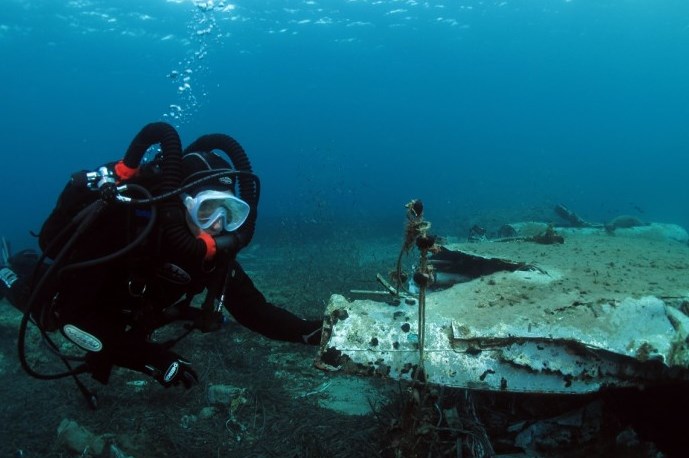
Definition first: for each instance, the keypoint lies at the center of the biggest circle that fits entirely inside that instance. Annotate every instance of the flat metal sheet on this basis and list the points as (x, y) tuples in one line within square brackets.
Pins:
[(599, 310)]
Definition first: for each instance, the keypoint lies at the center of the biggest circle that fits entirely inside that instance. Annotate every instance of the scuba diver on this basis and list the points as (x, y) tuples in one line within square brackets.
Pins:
[(129, 246)]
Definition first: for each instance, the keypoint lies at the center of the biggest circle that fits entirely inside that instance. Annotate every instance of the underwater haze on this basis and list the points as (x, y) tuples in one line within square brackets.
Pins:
[(485, 110)]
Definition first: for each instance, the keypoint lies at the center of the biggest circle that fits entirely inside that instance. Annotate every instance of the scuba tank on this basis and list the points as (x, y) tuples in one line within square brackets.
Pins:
[(153, 187)]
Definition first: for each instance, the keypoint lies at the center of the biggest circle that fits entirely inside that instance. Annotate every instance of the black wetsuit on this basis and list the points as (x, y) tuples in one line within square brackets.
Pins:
[(111, 308)]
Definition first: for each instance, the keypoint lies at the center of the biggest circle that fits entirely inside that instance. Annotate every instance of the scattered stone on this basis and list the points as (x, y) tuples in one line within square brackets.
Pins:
[(623, 222), (223, 394), (79, 439), (207, 412)]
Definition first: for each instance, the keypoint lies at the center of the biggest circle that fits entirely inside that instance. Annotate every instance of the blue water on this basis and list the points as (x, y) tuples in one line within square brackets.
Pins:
[(348, 109)]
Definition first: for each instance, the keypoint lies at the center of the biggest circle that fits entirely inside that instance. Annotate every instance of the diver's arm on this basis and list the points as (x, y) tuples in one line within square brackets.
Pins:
[(251, 309)]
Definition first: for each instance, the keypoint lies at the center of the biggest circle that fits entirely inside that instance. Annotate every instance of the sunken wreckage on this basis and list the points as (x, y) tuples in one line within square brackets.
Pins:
[(586, 311)]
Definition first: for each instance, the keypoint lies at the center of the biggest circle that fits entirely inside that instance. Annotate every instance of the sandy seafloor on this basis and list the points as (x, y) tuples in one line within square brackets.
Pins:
[(276, 410), (588, 269), (280, 404)]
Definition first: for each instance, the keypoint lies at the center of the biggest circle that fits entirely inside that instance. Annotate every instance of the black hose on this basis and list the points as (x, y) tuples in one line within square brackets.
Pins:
[(151, 134), (249, 191), (92, 212), (127, 248), (249, 185), (174, 227)]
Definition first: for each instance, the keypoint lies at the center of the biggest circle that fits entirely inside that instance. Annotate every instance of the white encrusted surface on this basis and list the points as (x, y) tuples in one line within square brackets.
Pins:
[(599, 310)]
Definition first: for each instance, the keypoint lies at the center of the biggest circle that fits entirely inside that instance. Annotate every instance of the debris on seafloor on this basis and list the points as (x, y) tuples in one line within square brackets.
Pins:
[(75, 437), (572, 218), (547, 237), (597, 312), (570, 318), (623, 222), (79, 439), (477, 233)]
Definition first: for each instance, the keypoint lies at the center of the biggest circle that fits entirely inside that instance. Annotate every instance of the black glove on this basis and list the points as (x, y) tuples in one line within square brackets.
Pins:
[(20, 267), (311, 335), (8, 277), (169, 369)]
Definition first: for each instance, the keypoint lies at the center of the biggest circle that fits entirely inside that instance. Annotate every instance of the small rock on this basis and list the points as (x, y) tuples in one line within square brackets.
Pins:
[(79, 439), (223, 394), (207, 412)]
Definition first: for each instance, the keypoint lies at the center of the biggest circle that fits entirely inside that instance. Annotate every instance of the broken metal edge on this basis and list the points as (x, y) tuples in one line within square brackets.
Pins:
[(378, 341)]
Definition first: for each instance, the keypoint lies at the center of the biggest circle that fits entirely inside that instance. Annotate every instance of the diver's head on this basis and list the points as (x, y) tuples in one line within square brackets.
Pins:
[(211, 205)]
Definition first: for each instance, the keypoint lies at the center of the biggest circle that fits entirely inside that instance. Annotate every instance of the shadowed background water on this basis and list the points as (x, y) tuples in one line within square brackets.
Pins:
[(485, 110), (488, 111)]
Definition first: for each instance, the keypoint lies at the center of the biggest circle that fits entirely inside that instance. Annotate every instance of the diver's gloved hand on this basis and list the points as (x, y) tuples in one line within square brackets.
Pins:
[(170, 369), (16, 267), (7, 278), (313, 329)]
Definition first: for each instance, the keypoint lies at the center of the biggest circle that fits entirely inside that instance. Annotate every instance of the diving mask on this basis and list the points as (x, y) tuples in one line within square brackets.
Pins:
[(208, 207)]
